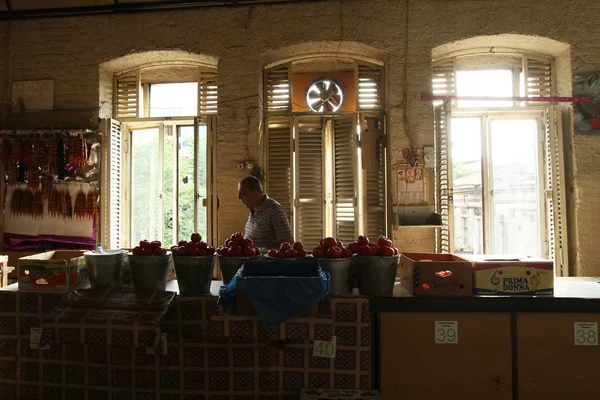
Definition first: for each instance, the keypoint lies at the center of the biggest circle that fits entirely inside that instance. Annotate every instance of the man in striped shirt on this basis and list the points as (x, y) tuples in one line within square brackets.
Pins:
[(268, 225)]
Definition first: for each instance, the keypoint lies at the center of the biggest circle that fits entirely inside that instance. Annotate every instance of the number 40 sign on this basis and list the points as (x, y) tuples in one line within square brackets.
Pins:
[(322, 348)]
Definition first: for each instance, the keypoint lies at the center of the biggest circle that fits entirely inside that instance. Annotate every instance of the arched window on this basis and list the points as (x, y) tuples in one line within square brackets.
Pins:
[(325, 146), (158, 151), (502, 158)]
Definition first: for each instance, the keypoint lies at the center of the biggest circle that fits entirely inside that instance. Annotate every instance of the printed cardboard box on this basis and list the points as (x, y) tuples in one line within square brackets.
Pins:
[(431, 274), (508, 275), (339, 394), (53, 271)]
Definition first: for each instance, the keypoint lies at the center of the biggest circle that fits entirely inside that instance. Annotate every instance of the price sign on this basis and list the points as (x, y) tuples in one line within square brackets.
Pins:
[(322, 348), (446, 332), (585, 333), (163, 345), (35, 338)]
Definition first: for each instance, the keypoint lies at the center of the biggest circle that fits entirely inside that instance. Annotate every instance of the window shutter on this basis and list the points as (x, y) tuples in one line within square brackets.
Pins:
[(345, 161), (443, 169), (278, 88), (555, 201), (279, 162), (370, 87), (207, 93), (372, 130), (111, 179), (443, 79), (127, 92), (310, 221), (538, 74)]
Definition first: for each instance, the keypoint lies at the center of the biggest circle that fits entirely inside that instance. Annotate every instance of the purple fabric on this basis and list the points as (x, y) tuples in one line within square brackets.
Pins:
[(17, 242)]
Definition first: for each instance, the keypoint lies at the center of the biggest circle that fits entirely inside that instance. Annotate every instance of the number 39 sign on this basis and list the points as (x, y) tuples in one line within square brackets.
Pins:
[(446, 332)]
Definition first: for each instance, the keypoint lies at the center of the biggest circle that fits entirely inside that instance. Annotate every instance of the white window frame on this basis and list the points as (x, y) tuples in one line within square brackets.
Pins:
[(277, 105), (487, 116), (539, 81), (210, 200)]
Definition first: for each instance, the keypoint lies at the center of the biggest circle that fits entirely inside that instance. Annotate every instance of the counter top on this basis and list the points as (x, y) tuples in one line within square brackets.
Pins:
[(576, 294), (580, 295)]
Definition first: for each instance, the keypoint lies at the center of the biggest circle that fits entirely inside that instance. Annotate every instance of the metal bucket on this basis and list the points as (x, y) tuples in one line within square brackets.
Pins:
[(230, 265), (194, 274), (105, 269), (149, 272), (339, 270), (377, 274)]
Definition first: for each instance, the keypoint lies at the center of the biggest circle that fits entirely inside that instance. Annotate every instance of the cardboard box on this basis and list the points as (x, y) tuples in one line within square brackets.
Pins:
[(53, 271), (506, 275), (431, 274), (339, 394)]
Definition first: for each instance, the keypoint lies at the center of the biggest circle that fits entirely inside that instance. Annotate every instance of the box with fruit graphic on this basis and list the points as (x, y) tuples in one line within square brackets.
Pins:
[(53, 271), (430, 274), (506, 275)]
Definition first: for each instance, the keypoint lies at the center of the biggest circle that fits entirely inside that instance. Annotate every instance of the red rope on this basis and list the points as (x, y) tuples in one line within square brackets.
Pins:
[(579, 99)]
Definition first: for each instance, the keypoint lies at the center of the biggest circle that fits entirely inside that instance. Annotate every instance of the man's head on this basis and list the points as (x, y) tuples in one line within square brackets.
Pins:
[(250, 192)]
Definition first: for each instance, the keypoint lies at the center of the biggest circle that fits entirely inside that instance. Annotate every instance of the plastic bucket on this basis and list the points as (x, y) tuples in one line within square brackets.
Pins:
[(230, 265), (339, 271), (149, 272), (105, 269), (377, 274), (194, 274)]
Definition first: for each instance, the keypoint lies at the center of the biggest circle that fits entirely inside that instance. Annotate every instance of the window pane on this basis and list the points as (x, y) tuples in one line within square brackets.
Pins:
[(486, 83), (168, 188), (186, 182), (202, 184), (173, 99), (145, 185), (515, 197), (467, 184)]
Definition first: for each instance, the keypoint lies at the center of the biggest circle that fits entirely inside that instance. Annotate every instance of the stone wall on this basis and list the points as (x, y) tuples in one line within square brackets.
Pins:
[(242, 39)]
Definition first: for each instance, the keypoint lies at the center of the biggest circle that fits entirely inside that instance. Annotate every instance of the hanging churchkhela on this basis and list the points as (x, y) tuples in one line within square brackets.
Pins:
[(34, 163), (80, 209), (91, 203), (5, 151)]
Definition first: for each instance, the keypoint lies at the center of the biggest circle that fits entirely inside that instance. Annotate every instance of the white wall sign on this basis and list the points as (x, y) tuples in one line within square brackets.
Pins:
[(446, 332), (33, 95), (585, 333), (323, 348)]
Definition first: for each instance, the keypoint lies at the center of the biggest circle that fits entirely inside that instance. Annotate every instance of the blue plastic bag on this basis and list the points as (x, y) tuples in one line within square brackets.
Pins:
[(280, 290)]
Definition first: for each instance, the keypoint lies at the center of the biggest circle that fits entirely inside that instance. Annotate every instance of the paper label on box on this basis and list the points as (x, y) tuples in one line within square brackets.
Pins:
[(513, 280), (585, 333), (446, 332), (35, 338)]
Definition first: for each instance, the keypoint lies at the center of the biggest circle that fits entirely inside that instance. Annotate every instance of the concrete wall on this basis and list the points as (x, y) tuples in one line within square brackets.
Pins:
[(70, 51)]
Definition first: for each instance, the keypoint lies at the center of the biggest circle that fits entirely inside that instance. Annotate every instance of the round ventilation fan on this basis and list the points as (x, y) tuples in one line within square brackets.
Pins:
[(324, 95)]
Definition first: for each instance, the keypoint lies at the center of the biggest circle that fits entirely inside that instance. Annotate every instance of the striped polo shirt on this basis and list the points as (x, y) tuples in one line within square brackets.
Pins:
[(269, 225)]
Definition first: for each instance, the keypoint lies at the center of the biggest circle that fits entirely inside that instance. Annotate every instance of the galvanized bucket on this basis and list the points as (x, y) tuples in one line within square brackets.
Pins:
[(377, 274), (194, 274), (149, 272), (230, 265), (105, 269), (339, 271)]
